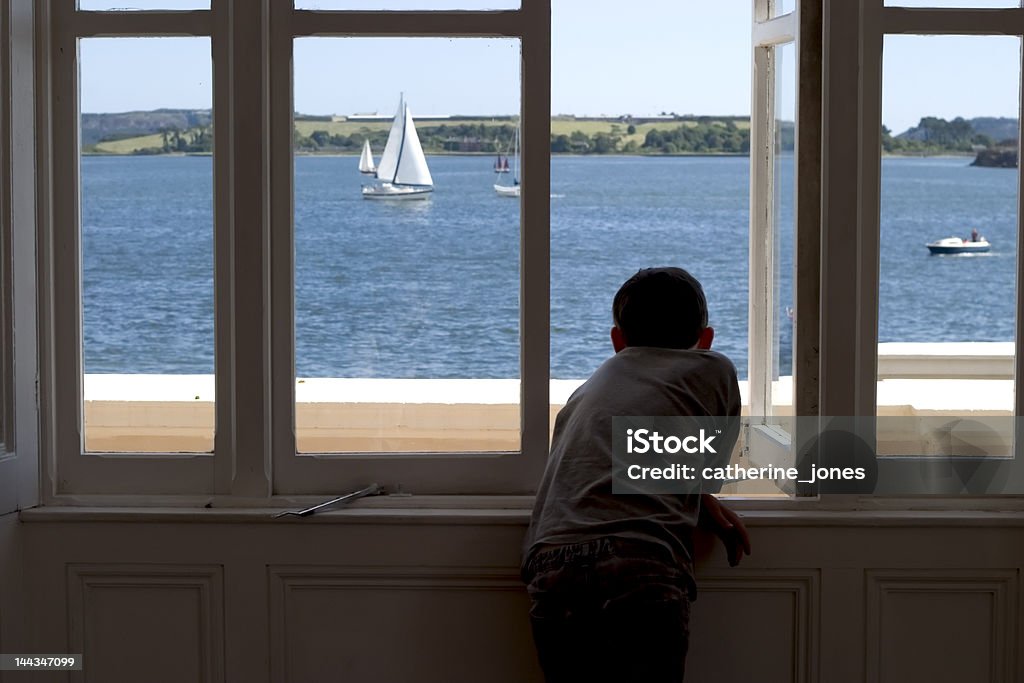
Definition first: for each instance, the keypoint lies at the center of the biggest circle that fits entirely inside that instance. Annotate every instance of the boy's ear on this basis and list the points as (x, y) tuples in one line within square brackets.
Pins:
[(618, 339), (707, 335)]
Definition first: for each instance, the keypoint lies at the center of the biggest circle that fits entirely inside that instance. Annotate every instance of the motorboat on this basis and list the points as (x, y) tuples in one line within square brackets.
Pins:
[(958, 245)]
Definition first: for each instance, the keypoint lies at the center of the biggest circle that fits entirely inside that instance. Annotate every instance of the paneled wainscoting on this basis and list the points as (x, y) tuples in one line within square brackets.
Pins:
[(424, 596)]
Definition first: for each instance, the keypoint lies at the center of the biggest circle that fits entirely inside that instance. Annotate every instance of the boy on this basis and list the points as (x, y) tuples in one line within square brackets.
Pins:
[(610, 577)]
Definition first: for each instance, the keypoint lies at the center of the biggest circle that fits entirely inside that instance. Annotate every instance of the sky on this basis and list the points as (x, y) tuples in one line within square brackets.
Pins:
[(608, 58)]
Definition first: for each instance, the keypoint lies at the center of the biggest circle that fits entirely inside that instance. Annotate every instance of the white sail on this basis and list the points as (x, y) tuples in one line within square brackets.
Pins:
[(412, 164), (389, 159), (366, 159), (403, 172), (402, 162), (513, 189)]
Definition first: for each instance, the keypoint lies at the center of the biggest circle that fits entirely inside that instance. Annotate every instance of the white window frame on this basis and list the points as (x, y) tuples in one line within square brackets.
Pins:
[(879, 21), (68, 471), (837, 247), (421, 473), (770, 32), (851, 191), (254, 336), (19, 457), (769, 441)]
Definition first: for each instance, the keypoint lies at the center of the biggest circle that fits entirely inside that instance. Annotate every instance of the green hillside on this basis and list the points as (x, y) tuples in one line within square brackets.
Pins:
[(469, 136)]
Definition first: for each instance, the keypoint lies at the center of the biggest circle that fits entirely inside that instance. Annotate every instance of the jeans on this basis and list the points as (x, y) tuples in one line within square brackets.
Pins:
[(609, 610)]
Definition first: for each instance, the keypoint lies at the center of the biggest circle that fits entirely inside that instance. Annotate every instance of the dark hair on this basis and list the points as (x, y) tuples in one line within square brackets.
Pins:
[(662, 307)]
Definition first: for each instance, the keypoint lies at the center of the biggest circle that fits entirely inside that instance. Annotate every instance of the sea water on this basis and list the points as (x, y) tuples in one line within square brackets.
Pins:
[(431, 288)]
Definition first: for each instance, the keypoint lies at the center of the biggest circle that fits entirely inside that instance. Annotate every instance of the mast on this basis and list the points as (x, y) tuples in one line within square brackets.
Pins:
[(515, 174)]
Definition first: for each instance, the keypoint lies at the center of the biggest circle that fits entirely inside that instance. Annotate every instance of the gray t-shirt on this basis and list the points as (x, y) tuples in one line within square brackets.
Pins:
[(575, 502)]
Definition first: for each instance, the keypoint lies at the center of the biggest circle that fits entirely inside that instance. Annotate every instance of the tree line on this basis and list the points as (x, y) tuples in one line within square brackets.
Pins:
[(932, 135)]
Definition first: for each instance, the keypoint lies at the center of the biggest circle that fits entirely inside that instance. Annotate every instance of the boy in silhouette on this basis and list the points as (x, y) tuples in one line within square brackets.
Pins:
[(610, 577)]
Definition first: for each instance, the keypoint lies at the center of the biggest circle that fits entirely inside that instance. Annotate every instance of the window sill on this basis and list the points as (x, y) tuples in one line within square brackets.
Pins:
[(515, 510)]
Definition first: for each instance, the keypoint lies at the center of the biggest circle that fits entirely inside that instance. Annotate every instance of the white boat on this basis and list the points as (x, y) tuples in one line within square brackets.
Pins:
[(513, 189), (366, 165), (958, 245), (402, 172)]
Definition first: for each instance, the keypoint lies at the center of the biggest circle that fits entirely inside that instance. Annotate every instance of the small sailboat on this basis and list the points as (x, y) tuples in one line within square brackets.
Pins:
[(402, 172), (501, 164), (513, 189), (366, 165)]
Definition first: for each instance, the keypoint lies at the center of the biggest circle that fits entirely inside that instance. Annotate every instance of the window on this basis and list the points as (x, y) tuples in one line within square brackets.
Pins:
[(939, 355), (131, 288), (854, 230), (19, 462), (393, 296), (783, 278), (421, 472), (147, 246), (243, 269), (262, 258)]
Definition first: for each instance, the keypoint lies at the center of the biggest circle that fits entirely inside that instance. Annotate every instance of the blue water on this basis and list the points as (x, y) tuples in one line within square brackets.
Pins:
[(967, 297), (431, 289)]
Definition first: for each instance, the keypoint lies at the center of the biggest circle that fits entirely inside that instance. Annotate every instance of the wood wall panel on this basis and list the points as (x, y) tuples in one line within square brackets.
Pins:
[(435, 598), (942, 625), (147, 622), (387, 624), (749, 625)]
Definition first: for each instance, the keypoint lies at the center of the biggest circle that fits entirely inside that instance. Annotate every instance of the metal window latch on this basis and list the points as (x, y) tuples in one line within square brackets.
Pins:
[(371, 490)]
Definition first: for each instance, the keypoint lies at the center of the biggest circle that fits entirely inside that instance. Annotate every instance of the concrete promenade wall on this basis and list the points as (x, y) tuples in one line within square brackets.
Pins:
[(175, 413)]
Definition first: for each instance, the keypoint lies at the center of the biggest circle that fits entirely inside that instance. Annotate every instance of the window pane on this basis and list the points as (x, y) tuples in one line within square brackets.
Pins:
[(135, 5), (784, 222), (407, 284), (946, 319), (147, 244), (783, 7), (646, 171), (406, 4)]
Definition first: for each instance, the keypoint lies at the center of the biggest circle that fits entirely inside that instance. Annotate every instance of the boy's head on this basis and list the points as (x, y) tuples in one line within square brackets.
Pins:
[(663, 307)]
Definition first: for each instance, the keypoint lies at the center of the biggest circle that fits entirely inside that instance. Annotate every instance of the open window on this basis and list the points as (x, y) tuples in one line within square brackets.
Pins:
[(19, 448), (784, 230)]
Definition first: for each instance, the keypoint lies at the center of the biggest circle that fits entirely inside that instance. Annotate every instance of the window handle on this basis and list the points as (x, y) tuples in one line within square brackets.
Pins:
[(371, 490)]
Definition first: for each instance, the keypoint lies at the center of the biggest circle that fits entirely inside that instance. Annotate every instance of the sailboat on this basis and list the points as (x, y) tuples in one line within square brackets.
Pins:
[(366, 159), (513, 189), (402, 172)]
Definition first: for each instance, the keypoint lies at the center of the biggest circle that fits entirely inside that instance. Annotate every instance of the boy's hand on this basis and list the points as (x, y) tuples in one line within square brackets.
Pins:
[(727, 525)]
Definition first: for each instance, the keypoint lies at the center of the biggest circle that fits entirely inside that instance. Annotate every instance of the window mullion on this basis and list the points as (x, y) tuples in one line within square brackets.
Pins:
[(807, 260), (66, 392), (535, 276), (1018, 346), (224, 435), (840, 209), (869, 229), (282, 236), (761, 251), (249, 238)]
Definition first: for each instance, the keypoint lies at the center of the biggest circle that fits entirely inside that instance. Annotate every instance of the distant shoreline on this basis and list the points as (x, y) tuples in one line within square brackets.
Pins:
[(355, 155)]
